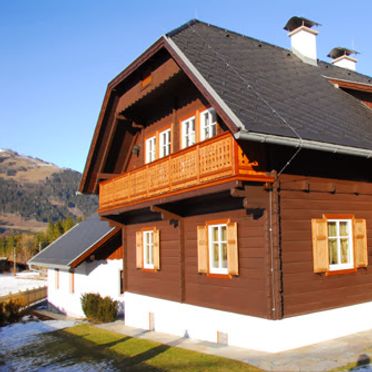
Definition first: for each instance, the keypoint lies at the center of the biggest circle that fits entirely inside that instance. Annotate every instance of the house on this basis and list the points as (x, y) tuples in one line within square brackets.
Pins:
[(240, 175), (83, 260)]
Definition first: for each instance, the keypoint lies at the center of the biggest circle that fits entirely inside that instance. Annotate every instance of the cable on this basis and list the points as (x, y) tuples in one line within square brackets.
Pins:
[(259, 96)]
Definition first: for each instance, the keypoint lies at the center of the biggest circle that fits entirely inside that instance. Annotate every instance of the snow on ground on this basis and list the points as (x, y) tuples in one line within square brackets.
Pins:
[(22, 282), (18, 342)]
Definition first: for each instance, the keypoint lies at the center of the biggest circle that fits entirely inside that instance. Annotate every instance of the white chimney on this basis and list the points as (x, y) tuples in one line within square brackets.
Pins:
[(341, 58), (303, 39)]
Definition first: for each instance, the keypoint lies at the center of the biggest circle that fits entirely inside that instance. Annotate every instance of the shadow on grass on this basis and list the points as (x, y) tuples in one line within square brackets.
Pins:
[(89, 348)]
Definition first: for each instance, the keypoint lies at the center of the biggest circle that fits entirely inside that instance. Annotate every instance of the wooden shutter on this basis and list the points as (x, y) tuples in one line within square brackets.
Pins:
[(202, 249), (232, 248), (156, 249), (360, 243), (320, 245), (139, 250)]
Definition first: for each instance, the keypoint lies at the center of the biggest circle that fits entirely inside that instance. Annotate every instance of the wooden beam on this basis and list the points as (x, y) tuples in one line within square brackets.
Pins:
[(166, 215), (107, 176)]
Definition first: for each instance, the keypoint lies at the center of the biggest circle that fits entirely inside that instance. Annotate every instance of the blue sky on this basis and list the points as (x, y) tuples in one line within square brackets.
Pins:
[(57, 56)]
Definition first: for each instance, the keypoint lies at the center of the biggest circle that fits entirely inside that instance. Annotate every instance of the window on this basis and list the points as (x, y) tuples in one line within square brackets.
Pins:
[(165, 143), (56, 278), (188, 132), (218, 248), (150, 149), (72, 282), (339, 243), (208, 124), (147, 249), (121, 281)]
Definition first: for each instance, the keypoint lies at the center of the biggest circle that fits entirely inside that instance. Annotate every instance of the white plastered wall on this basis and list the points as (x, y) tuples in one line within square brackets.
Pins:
[(243, 330), (101, 277)]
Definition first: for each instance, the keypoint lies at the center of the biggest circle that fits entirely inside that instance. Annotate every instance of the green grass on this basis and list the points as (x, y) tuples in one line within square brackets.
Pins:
[(106, 350)]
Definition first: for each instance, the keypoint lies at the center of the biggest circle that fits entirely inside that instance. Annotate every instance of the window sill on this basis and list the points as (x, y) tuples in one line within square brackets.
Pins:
[(219, 276), (149, 270), (340, 272)]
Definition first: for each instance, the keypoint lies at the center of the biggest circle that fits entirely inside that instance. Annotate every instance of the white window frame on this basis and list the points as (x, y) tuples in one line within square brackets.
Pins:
[(188, 135), (150, 145), (220, 269), (148, 242), (338, 237), (206, 128), (165, 143)]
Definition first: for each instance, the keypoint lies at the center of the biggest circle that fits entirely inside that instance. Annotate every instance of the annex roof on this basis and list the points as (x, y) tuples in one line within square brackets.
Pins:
[(69, 247)]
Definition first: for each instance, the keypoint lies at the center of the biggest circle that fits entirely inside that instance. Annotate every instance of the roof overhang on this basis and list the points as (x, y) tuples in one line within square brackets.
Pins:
[(350, 84), (303, 143)]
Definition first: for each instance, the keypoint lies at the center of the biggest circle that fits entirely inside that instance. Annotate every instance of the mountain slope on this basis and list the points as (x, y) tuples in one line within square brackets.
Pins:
[(34, 192)]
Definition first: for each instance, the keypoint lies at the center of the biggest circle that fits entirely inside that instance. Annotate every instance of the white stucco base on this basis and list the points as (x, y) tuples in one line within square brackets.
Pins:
[(243, 330), (101, 277)]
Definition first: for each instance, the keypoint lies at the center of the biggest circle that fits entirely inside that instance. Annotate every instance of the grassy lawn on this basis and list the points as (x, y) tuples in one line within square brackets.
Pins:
[(86, 347)]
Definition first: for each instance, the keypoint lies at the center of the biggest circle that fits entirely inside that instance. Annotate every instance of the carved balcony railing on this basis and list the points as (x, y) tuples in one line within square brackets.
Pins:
[(214, 161)]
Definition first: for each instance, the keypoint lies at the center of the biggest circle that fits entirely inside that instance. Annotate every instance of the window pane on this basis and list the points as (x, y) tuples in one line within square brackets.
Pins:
[(332, 230), (332, 243), (344, 250), (344, 229), (224, 255), (213, 130), (215, 234), (223, 233), (215, 255)]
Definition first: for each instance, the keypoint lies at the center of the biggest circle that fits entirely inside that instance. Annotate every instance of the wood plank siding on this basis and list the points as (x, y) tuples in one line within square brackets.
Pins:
[(304, 290), (178, 278)]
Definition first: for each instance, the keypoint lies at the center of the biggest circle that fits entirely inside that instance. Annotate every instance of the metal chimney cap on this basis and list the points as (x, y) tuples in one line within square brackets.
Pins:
[(296, 22), (340, 51)]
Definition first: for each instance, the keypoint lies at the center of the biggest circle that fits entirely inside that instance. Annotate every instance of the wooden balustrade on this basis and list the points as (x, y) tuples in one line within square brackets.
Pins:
[(219, 159)]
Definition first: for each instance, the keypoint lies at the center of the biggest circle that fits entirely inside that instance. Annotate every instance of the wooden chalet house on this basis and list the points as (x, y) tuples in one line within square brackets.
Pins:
[(240, 175)]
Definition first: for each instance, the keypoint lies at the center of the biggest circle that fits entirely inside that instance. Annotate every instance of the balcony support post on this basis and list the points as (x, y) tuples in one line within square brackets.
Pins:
[(173, 218)]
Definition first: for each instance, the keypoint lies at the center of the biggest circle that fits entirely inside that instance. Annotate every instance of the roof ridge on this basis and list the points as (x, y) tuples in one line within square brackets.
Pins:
[(194, 21)]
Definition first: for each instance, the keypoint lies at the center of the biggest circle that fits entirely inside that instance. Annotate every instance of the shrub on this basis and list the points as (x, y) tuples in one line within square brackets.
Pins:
[(89, 303), (10, 312), (99, 309)]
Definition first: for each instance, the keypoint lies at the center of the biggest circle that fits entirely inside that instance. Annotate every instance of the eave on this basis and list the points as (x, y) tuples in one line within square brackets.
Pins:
[(350, 84)]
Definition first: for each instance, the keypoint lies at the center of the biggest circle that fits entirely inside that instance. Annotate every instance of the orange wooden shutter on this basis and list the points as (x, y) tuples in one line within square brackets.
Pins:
[(232, 248), (360, 242), (202, 250), (320, 245), (156, 249), (72, 282), (139, 250)]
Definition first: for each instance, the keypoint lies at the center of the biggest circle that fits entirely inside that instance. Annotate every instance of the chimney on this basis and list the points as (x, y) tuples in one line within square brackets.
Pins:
[(341, 58), (303, 38)]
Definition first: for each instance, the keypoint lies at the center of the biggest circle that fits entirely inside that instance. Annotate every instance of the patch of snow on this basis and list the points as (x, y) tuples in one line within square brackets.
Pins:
[(16, 337), (9, 283)]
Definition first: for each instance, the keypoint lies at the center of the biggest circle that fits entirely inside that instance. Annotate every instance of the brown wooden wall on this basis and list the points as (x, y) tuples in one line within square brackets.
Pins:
[(305, 291), (246, 294), (165, 283)]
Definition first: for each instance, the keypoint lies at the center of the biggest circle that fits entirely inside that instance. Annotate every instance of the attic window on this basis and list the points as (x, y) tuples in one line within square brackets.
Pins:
[(146, 79)]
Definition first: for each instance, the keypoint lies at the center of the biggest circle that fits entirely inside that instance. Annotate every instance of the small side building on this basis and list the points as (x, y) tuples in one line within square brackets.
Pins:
[(87, 258)]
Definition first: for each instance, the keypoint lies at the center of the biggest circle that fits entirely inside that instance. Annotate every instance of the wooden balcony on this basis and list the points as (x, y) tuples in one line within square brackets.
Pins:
[(205, 164)]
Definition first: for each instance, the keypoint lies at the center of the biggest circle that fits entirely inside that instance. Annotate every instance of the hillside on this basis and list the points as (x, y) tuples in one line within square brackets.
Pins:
[(34, 192)]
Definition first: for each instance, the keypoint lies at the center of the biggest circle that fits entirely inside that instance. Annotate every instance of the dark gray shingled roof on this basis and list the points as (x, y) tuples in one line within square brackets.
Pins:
[(71, 245), (254, 78)]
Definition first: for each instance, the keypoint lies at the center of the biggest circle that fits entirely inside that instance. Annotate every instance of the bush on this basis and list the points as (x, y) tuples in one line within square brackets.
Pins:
[(10, 312), (99, 309)]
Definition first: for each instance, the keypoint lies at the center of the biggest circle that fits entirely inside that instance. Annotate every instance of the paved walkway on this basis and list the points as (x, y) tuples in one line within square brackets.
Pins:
[(320, 357)]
